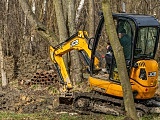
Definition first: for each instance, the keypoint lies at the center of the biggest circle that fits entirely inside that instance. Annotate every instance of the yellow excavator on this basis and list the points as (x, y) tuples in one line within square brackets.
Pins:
[(106, 94)]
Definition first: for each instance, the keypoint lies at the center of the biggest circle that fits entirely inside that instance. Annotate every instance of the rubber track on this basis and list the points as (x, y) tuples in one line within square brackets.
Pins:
[(111, 102)]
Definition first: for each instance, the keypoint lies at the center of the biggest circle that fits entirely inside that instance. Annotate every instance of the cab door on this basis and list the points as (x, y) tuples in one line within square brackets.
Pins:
[(126, 32)]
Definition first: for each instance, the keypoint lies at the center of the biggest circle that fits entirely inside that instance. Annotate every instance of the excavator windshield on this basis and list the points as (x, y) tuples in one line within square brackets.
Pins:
[(146, 42)]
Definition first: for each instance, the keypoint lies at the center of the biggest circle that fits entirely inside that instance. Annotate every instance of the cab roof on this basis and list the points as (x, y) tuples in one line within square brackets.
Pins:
[(140, 20)]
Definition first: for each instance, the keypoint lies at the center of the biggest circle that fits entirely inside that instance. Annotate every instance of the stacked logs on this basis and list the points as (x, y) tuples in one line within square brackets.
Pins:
[(42, 78)]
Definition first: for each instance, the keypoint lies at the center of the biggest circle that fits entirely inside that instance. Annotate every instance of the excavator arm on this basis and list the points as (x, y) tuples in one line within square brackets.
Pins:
[(75, 42)]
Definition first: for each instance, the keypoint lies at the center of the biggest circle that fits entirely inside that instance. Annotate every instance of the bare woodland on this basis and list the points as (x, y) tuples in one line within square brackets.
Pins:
[(19, 39), (25, 44)]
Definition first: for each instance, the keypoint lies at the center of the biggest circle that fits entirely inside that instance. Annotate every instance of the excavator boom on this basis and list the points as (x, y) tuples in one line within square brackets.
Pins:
[(76, 42)]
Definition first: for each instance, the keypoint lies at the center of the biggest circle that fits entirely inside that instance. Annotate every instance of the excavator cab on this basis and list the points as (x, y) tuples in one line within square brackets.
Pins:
[(139, 47)]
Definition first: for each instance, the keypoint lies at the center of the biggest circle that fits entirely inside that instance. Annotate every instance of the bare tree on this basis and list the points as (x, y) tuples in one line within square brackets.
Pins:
[(91, 18), (3, 71), (79, 9), (62, 28), (63, 35), (6, 26), (119, 56), (37, 25), (76, 74)]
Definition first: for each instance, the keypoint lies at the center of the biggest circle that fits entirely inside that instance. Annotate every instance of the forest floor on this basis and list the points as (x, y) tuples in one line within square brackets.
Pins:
[(21, 100), (40, 103)]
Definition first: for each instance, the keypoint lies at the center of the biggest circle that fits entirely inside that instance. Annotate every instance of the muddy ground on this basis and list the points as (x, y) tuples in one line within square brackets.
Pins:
[(25, 100), (34, 89), (25, 95)]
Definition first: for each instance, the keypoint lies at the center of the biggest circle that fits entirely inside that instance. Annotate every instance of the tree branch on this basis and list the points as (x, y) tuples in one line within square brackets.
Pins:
[(37, 25)]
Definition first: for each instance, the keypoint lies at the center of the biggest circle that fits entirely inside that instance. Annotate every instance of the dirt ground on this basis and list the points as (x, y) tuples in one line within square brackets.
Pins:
[(30, 98), (25, 100), (31, 91), (34, 90)]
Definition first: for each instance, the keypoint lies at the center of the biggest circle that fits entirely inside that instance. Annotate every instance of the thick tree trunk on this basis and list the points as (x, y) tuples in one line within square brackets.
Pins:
[(63, 35), (65, 10), (119, 56), (91, 18), (76, 74)]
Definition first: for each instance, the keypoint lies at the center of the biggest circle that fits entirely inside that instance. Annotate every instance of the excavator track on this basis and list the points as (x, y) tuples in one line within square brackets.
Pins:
[(93, 102), (96, 102)]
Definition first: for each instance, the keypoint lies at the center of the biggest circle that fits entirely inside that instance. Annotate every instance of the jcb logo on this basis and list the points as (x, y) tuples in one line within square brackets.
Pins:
[(151, 74), (75, 42)]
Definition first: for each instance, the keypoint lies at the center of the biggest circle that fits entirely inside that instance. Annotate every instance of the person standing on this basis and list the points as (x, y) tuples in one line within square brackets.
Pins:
[(125, 41), (108, 57)]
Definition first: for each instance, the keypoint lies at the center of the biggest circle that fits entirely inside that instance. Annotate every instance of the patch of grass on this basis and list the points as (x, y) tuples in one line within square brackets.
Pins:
[(151, 117), (35, 86), (15, 116), (22, 116), (46, 115), (69, 116), (50, 115), (52, 90)]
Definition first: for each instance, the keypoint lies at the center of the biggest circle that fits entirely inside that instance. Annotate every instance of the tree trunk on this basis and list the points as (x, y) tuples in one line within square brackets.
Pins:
[(6, 27), (3, 72), (91, 18), (79, 9), (60, 21), (76, 74), (65, 10), (119, 56), (63, 34)]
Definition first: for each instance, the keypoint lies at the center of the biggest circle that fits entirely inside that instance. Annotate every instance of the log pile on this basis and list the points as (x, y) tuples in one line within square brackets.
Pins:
[(43, 78)]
